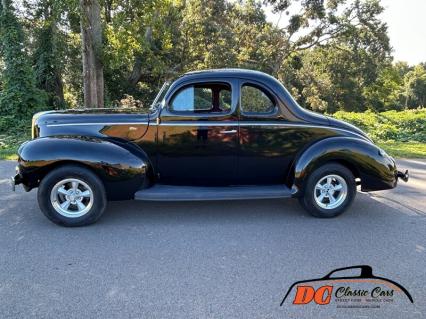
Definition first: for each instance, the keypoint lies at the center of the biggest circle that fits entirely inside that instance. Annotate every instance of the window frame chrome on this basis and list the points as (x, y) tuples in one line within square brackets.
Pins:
[(269, 93), (166, 110)]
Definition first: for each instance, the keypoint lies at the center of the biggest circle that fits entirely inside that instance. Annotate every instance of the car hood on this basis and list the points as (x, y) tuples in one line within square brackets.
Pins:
[(93, 122), (103, 115)]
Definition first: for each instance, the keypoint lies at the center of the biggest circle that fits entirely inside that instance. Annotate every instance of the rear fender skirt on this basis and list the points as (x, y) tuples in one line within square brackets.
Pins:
[(121, 166), (376, 171)]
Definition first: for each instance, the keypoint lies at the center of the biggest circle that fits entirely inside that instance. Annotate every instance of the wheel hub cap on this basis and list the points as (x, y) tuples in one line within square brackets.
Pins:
[(71, 197), (330, 192)]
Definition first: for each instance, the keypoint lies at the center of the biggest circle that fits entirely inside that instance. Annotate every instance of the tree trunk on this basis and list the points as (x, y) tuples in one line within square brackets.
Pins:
[(91, 36), (108, 8), (136, 73), (5, 4), (59, 88)]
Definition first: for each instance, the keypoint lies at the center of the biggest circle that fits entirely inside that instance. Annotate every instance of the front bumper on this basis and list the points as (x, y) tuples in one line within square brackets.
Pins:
[(15, 180)]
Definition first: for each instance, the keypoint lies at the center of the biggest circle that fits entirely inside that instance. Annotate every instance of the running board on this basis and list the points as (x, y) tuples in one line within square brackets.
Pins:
[(193, 193)]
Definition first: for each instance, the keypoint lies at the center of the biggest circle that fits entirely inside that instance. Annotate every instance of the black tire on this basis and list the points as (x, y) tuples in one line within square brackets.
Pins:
[(98, 200), (308, 200)]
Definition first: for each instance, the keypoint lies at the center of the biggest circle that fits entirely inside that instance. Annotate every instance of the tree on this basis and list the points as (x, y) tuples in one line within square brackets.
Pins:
[(312, 23), (48, 55), (141, 47), (330, 54), (208, 37), (19, 97), (91, 35), (332, 66), (255, 42), (415, 87), (386, 93)]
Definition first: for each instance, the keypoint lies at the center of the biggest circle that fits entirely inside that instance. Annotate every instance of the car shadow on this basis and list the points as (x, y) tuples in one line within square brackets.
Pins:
[(238, 211), (198, 211)]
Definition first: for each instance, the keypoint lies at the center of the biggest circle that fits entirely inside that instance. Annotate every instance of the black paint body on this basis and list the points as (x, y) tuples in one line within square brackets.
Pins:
[(130, 151)]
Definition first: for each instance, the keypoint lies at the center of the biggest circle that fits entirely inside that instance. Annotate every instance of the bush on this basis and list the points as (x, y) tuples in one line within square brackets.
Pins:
[(401, 126), (12, 133), (19, 96)]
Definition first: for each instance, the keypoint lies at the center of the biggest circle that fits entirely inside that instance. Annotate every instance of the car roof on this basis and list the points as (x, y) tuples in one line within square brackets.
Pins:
[(231, 73), (228, 72), (292, 107), (225, 71)]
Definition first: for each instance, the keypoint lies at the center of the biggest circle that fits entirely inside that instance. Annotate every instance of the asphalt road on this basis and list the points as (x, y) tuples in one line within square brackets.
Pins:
[(206, 259)]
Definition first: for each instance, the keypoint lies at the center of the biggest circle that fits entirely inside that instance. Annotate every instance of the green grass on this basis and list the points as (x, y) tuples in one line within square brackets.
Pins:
[(9, 153), (12, 134), (9, 144)]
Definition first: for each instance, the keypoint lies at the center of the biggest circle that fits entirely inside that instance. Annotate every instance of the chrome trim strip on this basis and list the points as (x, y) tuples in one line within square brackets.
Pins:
[(203, 123), (92, 123), (249, 124), (211, 123)]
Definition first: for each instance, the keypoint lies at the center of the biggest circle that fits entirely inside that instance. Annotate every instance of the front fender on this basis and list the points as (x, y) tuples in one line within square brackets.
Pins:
[(376, 170), (120, 166)]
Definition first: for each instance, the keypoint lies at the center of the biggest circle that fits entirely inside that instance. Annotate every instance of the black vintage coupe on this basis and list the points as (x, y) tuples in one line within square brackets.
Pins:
[(210, 135)]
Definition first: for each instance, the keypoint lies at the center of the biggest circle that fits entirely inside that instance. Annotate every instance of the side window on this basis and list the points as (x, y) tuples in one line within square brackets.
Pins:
[(225, 99), (202, 98), (255, 100)]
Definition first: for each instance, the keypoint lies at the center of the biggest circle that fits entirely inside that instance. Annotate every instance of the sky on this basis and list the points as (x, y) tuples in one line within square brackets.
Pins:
[(406, 20)]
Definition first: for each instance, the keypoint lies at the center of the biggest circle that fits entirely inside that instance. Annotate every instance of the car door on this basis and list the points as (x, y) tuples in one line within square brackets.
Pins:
[(265, 145), (198, 134)]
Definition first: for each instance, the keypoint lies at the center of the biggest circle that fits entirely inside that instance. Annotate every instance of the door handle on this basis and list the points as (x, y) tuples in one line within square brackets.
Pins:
[(228, 131)]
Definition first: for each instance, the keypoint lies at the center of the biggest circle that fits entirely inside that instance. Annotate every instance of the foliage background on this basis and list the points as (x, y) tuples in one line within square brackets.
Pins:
[(333, 55)]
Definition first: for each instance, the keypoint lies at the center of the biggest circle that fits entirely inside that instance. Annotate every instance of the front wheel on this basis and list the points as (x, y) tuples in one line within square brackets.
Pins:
[(329, 191), (72, 195)]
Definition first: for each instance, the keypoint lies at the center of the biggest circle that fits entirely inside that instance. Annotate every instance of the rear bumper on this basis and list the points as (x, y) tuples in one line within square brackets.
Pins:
[(384, 178), (404, 176)]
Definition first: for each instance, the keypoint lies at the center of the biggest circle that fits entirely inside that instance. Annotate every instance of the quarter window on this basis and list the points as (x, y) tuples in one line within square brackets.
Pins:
[(202, 98), (255, 100)]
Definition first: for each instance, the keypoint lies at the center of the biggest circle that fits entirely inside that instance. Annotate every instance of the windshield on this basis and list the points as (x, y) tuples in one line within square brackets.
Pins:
[(160, 96)]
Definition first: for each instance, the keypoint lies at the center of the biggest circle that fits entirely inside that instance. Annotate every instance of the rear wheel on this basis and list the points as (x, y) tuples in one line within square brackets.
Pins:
[(72, 195), (329, 191)]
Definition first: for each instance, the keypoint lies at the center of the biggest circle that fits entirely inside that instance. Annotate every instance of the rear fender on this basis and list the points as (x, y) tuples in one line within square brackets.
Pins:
[(376, 170), (121, 166)]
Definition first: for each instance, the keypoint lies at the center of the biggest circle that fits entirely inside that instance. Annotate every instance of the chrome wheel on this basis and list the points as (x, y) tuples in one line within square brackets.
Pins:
[(71, 197), (330, 191)]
